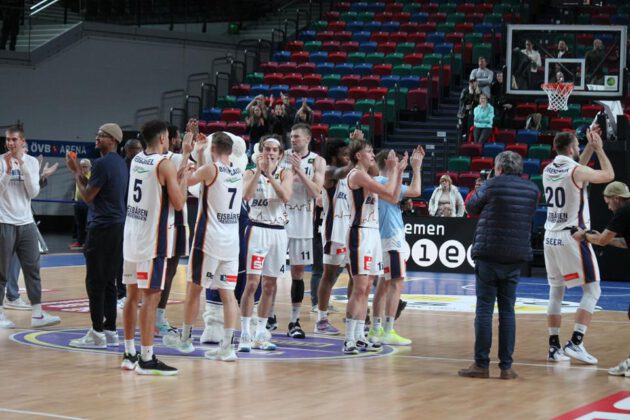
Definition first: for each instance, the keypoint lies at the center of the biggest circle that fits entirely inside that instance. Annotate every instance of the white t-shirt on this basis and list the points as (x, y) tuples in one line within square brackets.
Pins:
[(17, 190)]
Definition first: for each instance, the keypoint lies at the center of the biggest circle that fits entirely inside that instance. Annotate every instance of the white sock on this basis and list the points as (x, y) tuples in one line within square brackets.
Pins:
[(359, 331), (376, 325), (351, 324), (295, 313), (581, 328), (261, 327), (186, 331), (321, 315), (37, 310), (228, 334), (160, 315), (245, 330), (554, 331), (146, 353), (389, 323), (130, 347)]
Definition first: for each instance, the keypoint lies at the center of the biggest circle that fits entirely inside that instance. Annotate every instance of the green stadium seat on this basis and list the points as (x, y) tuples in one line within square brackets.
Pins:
[(375, 58), (402, 96), (254, 78), (394, 58), (331, 80), (539, 151), (456, 18), (341, 131), (348, 16), (484, 50), (402, 70), (459, 164), (406, 47), (574, 111), (356, 57), (313, 46), (537, 179), (447, 7), (493, 18), (421, 70), (365, 16), (228, 101), (445, 27), (364, 105), (432, 59), (581, 121), (319, 25), (473, 37)]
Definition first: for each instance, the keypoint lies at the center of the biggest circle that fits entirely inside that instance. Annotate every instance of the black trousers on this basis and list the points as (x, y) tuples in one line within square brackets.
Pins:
[(10, 30), (103, 257)]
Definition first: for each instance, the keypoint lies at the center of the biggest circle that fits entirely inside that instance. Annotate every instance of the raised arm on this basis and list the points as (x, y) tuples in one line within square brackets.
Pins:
[(415, 188), (284, 188), (583, 174), (176, 187), (313, 185)]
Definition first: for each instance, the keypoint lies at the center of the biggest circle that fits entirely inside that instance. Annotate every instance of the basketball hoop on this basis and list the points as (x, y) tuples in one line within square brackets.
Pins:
[(558, 94)]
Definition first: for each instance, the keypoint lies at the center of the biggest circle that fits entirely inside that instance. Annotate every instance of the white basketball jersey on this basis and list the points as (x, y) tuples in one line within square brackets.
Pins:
[(567, 204), (146, 234), (336, 213), (265, 206), (216, 231), (177, 218), (300, 206), (363, 207)]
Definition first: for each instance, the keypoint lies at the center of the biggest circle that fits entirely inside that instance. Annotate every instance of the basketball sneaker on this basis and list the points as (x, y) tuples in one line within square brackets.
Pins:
[(17, 304), (245, 343), (129, 362), (622, 369), (6, 323), (349, 347), (325, 327), (178, 343), (579, 353), (91, 340), (224, 355), (120, 303), (393, 339), (213, 319), (363, 344), (272, 323), (44, 320), (376, 336), (557, 355), (295, 330), (163, 329), (154, 367), (261, 343), (111, 338), (332, 309)]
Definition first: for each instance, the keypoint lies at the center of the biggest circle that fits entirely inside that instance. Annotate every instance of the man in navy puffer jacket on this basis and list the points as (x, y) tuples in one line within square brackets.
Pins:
[(505, 205)]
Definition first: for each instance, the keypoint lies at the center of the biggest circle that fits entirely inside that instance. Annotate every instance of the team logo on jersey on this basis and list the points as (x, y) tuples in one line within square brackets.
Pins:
[(142, 275), (367, 262), (341, 250), (311, 160), (233, 179), (140, 170), (257, 262), (230, 279)]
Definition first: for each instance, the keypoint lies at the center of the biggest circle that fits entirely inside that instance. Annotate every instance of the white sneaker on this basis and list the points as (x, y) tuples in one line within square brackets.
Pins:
[(121, 303), (622, 369), (45, 320), (176, 342), (579, 353), (332, 309), (17, 304), (91, 340), (6, 323), (557, 355), (261, 343), (225, 355), (112, 338), (245, 343)]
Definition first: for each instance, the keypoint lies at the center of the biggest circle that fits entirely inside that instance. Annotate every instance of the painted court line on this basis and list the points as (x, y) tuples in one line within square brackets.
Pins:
[(36, 413), (545, 365)]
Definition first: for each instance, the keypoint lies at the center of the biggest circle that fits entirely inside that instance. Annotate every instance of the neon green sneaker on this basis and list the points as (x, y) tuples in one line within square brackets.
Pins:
[(375, 336), (393, 339)]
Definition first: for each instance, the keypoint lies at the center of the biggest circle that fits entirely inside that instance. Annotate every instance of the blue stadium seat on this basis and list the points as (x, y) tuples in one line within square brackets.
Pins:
[(356, 26), (375, 7), (276, 90), (364, 69), (338, 92), (282, 56), (531, 166), (325, 68), (420, 17), (390, 81), (540, 217), (359, 7), (410, 82), (368, 47), (493, 149), (211, 114), (483, 28), (307, 35), (390, 26), (344, 69), (435, 37), (427, 192), (331, 117), (351, 118), (318, 57), (373, 26), (527, 136), (259, 90), (443, 48), (362, 36), (243, 101)]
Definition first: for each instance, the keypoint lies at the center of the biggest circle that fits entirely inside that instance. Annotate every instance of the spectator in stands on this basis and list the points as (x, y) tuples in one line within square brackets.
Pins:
[(503, 106), (563, 50), (80, 208), (484, 77), (557, 78), (288, 108), (132, 148), (257, 125), (594, 63), (304, 114), (11, 11), (478, 184), (408, 208), (174, 139), (446, 193), (484, 118), (260, 102), (446, 211), (468, 100), (279, 120), (534, 62)]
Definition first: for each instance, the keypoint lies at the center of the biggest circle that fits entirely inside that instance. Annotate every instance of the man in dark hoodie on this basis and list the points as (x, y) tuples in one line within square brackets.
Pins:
[(505, 205)]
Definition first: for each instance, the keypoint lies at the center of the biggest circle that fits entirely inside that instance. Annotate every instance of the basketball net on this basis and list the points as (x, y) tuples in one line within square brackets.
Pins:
[(558, 94)]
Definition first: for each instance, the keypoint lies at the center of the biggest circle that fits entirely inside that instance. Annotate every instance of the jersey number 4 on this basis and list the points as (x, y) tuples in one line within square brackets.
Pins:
[(555, 198)]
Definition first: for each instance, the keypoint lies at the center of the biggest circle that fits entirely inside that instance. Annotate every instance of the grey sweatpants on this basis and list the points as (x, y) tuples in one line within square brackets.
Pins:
[(23, 241)]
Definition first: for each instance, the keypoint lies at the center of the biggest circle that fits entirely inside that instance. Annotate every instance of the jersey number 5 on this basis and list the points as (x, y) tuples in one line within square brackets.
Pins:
[(137, 191)]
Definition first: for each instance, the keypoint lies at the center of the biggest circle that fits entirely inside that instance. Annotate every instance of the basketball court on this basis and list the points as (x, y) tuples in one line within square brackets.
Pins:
[(312, 378)]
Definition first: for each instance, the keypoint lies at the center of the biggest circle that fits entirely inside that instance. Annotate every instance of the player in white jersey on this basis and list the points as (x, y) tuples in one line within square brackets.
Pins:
[(364, 241), (335, 220), (267, 188), (308, 177), (569, 259), (153, 183), (214, 260), (178, 153), (395, 253)]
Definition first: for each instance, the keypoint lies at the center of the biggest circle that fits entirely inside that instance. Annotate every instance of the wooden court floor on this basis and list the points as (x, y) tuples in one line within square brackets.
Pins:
[(419, 382)]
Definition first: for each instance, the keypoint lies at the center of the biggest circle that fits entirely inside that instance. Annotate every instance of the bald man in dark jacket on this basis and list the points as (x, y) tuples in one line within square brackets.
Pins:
[(505, 205)]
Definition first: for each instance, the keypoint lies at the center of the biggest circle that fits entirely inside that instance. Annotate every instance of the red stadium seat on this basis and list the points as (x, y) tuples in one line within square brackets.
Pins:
[(331, 46), (319, 130), (470, 149), (269, 67), (373, 81), (505, 136), (418, 37), (299, 91), (295, 46), (273, 79), (467, 179), (292, 79), (454, 177), (481, 163), (589, 111), (317, 92), (525, 108), (357, 93), (287, 68), (312, 79), (240, 90), (231, 114), (344, 105), (350, 46), (214, 126), (386, 47), (306, 68), (414, 59), (237, 128), (381, 70), (337, 57), (324, 104), (376, 93), (519, 148), (559, 124), (350, 80)]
